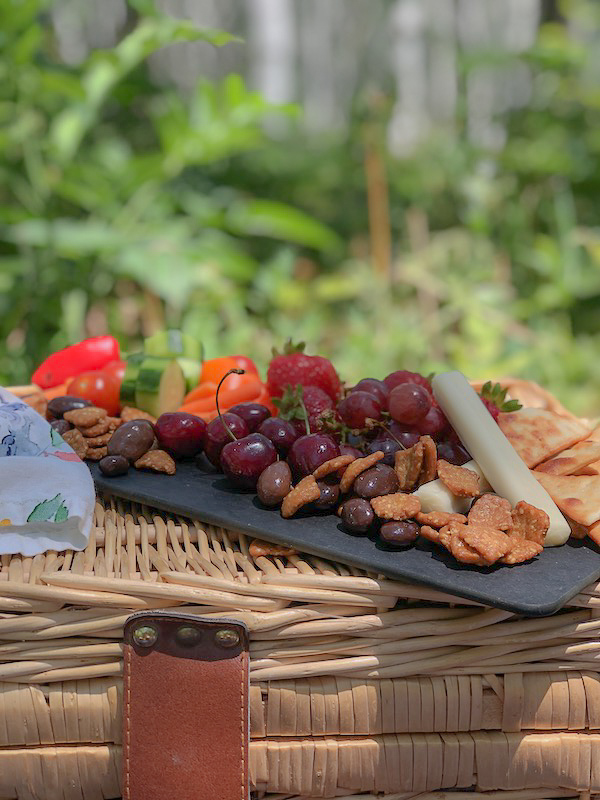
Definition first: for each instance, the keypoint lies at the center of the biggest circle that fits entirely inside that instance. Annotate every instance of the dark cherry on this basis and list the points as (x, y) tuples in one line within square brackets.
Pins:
[(377, 481), (388, 446), (281, 432), (310, 451), (357, 407), (274, 483), (253, 414), (244, 460), (357, 515), (349, 450), (330, 494), (216, 436), (399, 534), (372, 386), (180, 434)]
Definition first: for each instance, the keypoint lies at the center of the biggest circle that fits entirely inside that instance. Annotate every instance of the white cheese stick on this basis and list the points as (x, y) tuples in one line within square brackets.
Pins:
[(507, 473), (435, 496)]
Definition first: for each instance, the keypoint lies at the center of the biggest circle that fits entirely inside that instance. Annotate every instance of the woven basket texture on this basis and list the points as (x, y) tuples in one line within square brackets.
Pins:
[(361, 686)]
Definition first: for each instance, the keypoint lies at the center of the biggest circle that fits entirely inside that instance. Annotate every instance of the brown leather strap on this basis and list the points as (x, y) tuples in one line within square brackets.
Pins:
[(185, 709)]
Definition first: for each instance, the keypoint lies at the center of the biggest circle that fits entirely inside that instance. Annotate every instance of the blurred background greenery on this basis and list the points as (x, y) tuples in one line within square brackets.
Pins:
[(128, 204)]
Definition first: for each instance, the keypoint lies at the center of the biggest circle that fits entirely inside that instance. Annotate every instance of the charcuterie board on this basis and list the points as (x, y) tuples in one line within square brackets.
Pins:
[(542, 588)]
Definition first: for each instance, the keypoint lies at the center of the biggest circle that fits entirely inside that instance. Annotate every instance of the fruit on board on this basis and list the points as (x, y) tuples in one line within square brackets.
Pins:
[(357, 407), (378, 389), (243, 460), (218, 435), (85, 356), (493, 396), (405, 376), (253, 414), (304, 407), (160, 385), (293, 367), (408, 403), (180, 434), (310, 451), (281, 432), (98, 388)]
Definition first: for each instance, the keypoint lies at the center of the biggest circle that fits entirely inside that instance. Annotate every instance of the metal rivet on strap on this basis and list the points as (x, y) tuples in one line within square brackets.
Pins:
[(227, 637), (145, 635)]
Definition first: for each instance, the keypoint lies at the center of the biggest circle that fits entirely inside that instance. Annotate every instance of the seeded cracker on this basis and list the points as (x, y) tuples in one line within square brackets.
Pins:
[(492, 511), (128, 414), (98, 441), (259, 548), (99, 429), (529, 522), (429, 468), (114, 423), (96, 453), (429, 533), (85, 417), (461, 481), (477, 544), (408, 464), (357, 466), (157, 461), (397, 506), (76, 441), (521, 550), (437, 519), (332, 466), (305, 492)]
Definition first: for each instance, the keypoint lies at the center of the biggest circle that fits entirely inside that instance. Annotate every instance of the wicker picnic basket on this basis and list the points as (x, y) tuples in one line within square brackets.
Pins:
[(360, 686)]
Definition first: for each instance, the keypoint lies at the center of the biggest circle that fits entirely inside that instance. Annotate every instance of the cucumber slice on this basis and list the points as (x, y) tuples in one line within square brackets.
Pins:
[(160, 385), (173, 344), (191, 370), (127, 392)]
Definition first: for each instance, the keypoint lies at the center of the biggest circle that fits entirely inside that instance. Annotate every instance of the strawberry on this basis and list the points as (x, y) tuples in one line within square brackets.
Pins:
[(293, 367), (493, 397), (300, 403)]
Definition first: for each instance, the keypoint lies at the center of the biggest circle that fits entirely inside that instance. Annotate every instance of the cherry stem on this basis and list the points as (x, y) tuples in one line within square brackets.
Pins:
[(234, 371), (388, 431)]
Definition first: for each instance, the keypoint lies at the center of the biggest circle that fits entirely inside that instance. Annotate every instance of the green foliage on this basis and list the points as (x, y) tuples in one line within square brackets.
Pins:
[(127, 207)]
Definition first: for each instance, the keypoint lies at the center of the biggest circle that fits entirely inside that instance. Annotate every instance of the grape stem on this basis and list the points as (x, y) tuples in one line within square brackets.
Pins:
[(388, 431), (234, 371)]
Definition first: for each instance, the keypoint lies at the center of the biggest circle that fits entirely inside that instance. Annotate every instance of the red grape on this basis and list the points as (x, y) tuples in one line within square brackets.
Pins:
[(433, 423), (357, 407), (404, 376), (372, 386), (453, 453), (409, 403)]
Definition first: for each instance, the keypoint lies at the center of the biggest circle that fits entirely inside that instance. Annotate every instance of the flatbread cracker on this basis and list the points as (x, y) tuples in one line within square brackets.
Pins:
[(408, 465), (577, 496), (569, 461), (537, 434), (589, 469)]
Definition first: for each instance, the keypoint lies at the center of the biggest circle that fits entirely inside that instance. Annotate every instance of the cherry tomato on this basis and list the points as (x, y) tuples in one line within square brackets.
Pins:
[(116, 368), (100, 388)]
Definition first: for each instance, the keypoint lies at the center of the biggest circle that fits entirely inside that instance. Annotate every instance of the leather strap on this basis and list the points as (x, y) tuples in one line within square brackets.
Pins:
[(185, 711)]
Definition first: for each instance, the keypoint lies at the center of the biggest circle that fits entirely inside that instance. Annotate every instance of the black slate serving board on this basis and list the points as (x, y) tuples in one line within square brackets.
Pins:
[(538, 588)]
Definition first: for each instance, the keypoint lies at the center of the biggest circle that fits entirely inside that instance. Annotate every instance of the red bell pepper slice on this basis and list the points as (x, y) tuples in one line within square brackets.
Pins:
[(90, 354)]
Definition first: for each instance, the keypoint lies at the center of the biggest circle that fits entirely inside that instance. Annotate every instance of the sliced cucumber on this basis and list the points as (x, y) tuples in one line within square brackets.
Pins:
[(173, 344), (127, 393), (160, 385), (191, 370)]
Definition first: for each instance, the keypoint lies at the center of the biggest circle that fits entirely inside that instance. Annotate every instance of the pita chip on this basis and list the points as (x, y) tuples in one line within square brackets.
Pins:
[(577, 496), (537, 434), (570, 461), (589, 469)]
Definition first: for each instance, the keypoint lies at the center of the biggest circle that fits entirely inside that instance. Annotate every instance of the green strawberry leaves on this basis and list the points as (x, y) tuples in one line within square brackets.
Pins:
[(497, 395), (291, 404), (289, 348)]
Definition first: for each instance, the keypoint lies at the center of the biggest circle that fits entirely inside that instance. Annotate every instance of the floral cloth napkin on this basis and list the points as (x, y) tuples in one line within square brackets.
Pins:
[(46, 492)]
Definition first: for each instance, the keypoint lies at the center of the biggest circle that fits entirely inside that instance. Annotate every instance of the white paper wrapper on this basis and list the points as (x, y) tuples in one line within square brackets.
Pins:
[(46, 492)]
